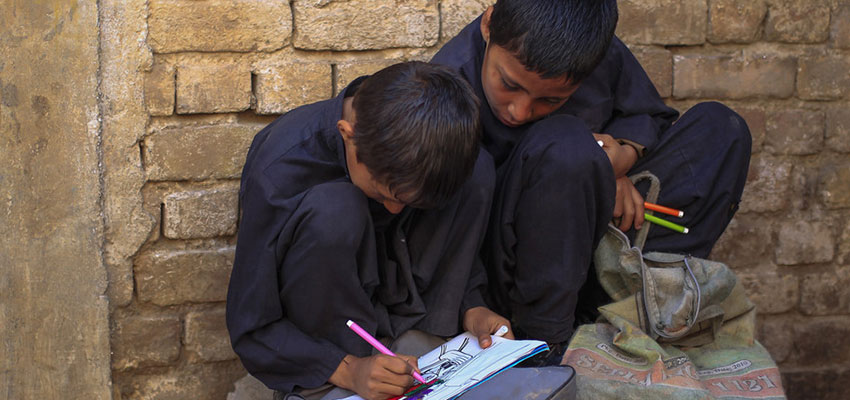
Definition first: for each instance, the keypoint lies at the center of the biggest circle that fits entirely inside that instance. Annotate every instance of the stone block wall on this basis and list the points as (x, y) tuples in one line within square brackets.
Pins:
[(187, 83)]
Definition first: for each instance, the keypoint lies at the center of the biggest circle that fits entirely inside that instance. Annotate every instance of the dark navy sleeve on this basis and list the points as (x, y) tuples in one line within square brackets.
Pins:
[(271, 347), (475, 288), (480, 198), (639, 114)]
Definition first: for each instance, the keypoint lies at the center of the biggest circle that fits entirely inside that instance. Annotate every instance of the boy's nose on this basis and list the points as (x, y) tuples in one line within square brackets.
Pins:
[(520, 110)]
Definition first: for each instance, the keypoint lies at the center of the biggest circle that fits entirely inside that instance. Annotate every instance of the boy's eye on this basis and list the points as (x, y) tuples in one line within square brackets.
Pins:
[(508, 86), (552, 101)]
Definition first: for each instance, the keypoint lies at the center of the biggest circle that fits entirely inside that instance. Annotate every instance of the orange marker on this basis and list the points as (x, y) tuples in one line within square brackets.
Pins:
[(664, 210)]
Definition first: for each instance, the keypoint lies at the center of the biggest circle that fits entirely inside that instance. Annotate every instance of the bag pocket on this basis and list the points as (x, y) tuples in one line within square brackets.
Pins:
[(671, 295)]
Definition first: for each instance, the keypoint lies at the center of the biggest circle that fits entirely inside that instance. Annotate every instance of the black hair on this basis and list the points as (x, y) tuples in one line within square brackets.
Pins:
[(417, 131), (555, 38)]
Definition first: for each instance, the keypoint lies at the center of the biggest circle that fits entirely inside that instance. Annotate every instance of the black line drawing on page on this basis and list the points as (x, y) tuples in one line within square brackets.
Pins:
[(447, 363)]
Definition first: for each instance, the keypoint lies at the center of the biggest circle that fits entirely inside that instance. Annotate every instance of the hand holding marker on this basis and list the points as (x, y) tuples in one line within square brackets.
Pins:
[(665, 210), (376, 344)]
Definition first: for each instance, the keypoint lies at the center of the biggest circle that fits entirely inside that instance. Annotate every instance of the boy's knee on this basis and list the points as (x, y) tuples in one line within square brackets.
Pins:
[(728, 124), (566, 145)]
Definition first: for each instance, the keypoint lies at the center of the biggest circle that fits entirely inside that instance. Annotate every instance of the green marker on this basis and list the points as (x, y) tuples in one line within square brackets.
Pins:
[(667, 224)]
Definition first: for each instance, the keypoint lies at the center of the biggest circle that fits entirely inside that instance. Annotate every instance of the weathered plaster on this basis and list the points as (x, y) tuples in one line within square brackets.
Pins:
[(124, 57), (53, 305)]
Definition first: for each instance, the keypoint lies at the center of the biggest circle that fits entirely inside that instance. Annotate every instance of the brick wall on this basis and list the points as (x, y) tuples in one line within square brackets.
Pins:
[(213, 72)]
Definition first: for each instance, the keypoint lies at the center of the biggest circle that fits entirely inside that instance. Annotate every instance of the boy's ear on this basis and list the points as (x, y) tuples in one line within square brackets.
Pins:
[(346, 129), (485, 23)]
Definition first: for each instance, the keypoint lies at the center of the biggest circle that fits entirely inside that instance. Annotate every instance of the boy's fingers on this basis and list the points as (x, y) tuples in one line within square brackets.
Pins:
[(604, 137), (411, 361), (397, 365), (397, 374), (388, 389), (628, 214), (639, 209), (484, 341), (618, 206), (626, 221)]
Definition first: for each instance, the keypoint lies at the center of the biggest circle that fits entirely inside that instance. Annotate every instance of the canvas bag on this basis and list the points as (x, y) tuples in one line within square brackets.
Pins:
[(679, 327)]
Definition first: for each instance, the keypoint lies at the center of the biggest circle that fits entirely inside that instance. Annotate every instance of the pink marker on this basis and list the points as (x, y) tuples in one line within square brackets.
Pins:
[(374, 342)]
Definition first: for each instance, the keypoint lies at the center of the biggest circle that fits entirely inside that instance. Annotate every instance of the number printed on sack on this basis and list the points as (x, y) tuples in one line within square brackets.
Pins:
[(745, 385)]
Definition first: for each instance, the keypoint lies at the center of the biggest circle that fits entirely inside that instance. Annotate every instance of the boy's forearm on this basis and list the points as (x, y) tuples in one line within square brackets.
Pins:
[(630, 157)]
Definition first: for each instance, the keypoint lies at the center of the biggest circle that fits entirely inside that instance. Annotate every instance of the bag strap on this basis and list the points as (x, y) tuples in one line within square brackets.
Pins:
[(652, 197)]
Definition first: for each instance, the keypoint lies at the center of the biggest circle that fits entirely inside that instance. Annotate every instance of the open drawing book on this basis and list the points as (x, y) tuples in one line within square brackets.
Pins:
[(461, 364)]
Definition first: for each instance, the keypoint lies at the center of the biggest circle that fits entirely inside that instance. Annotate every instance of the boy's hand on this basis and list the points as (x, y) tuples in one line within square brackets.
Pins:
[(628, 207), (622, 157), (375, 377), (483, 322)]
